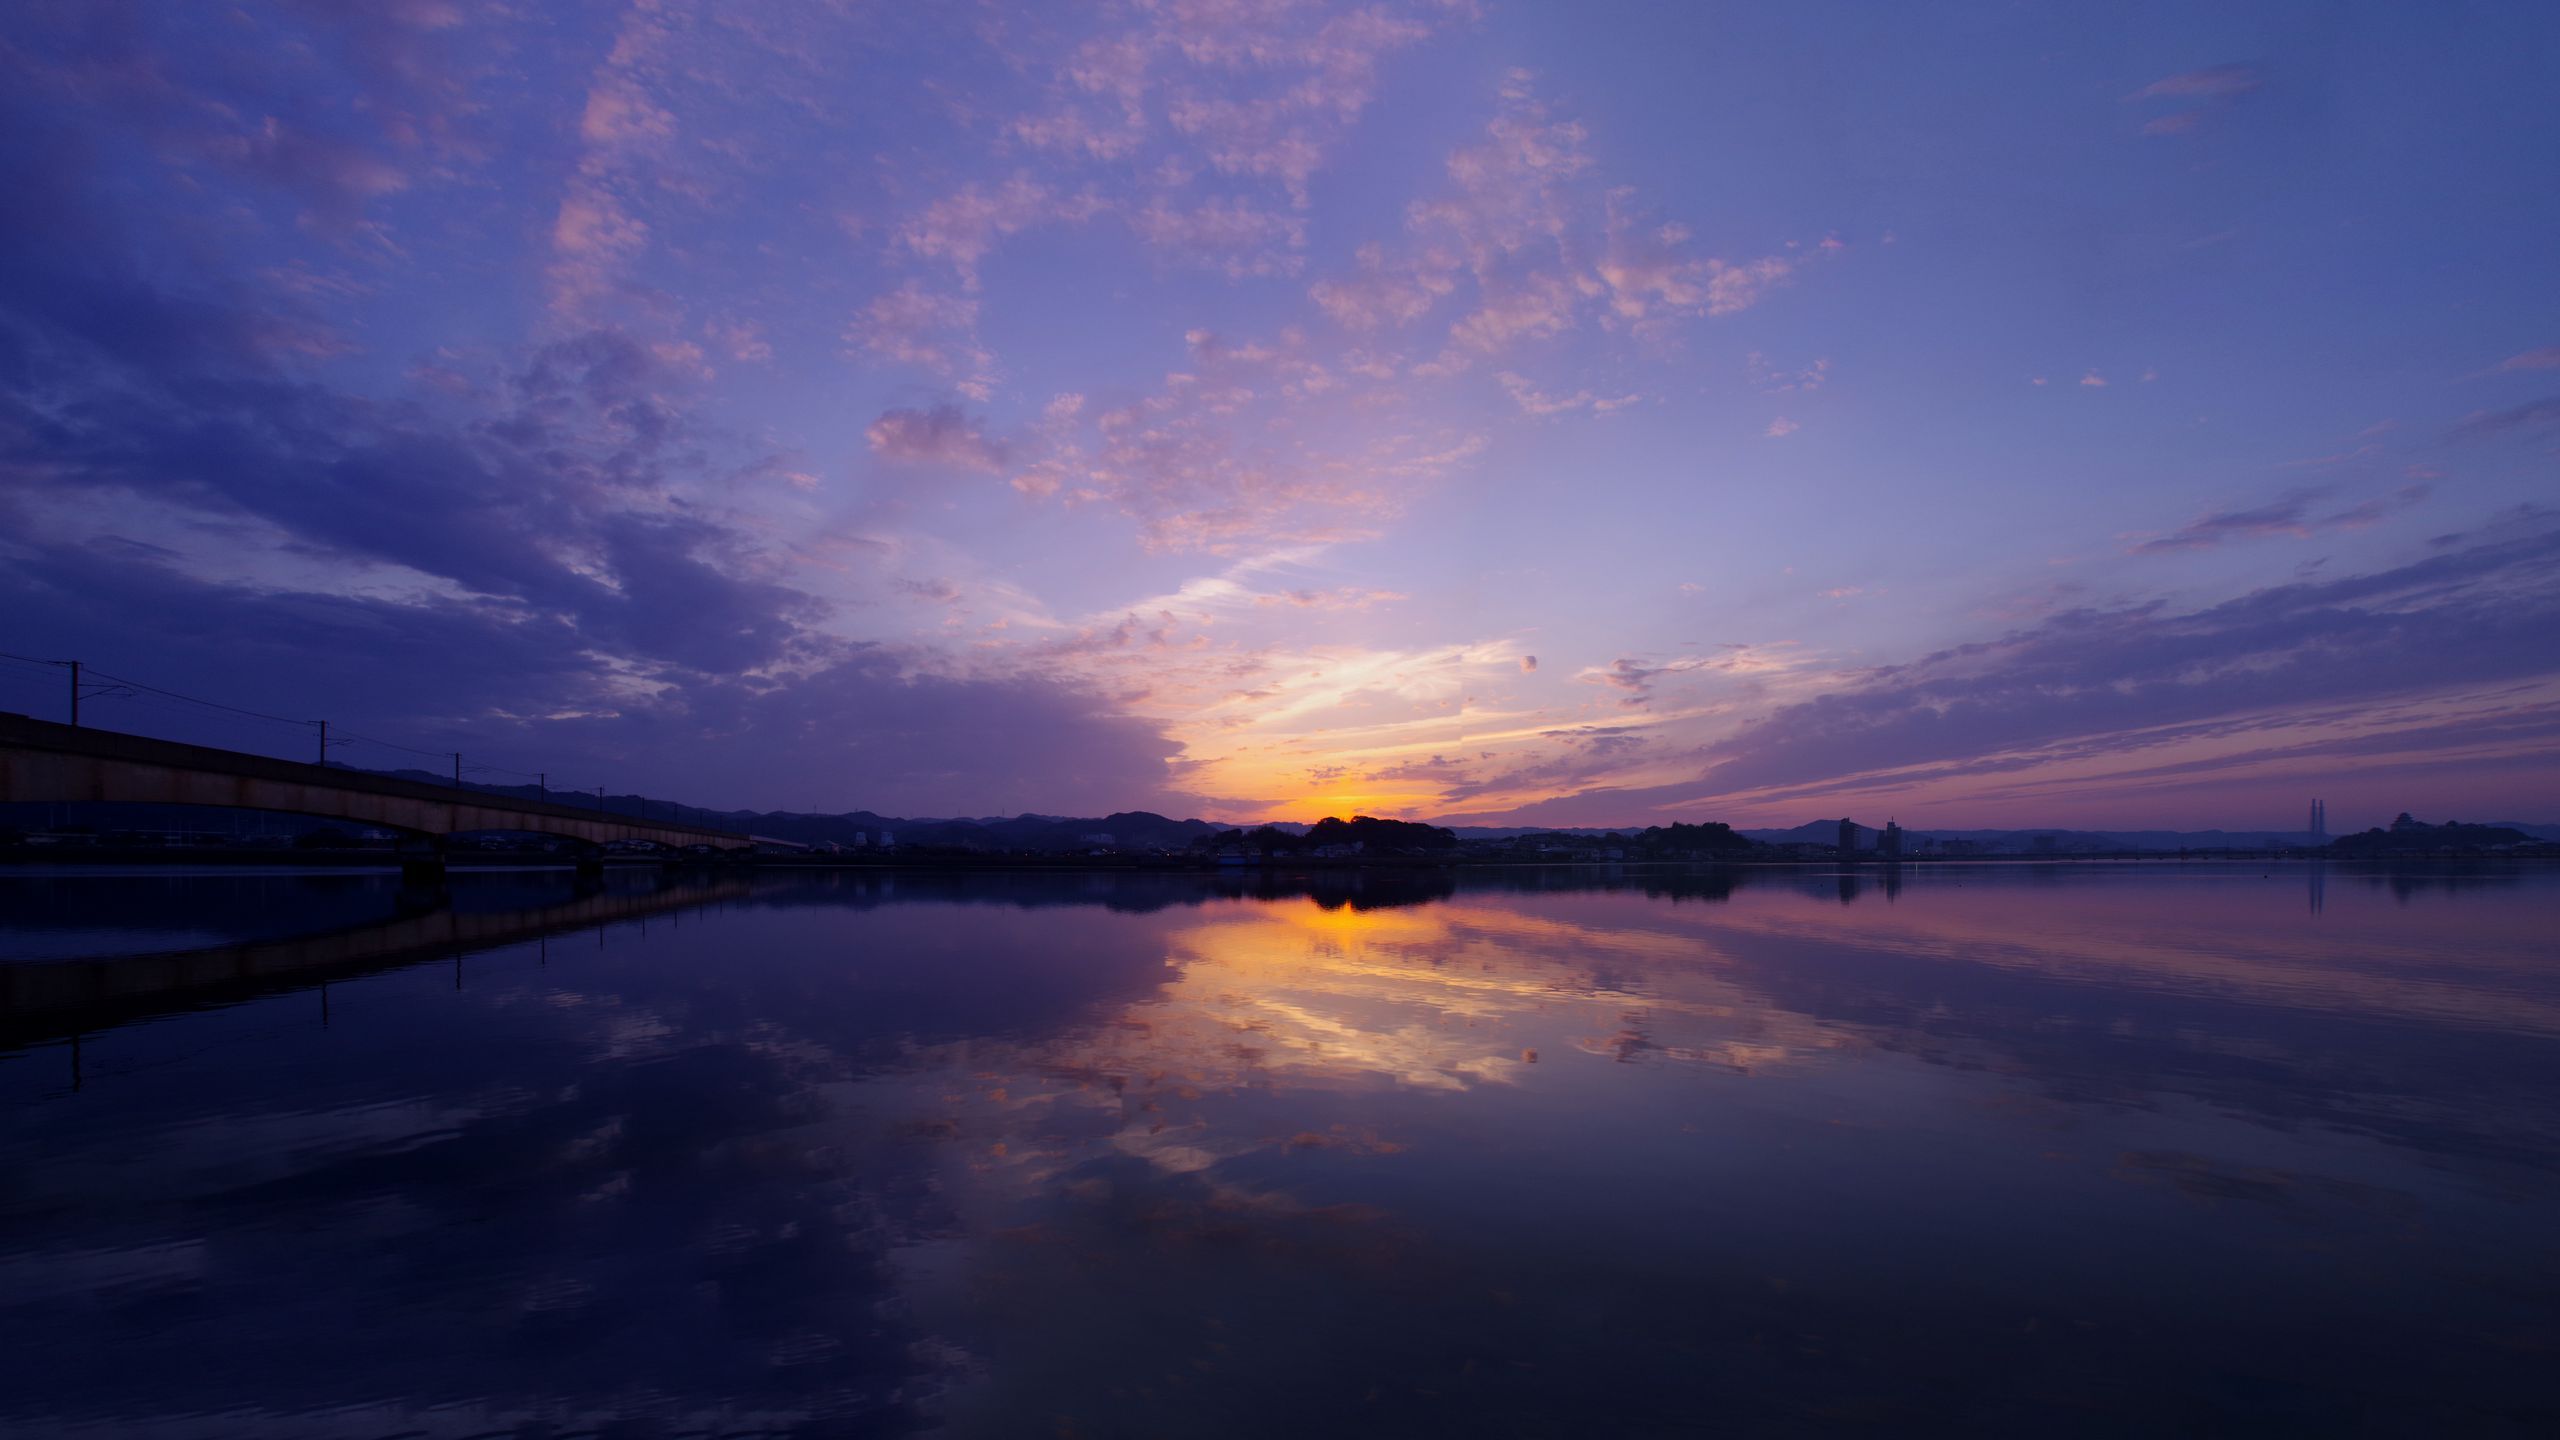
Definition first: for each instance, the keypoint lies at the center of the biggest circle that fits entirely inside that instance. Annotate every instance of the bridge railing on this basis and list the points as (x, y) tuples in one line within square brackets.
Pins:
[(31, 737), (84, 695)]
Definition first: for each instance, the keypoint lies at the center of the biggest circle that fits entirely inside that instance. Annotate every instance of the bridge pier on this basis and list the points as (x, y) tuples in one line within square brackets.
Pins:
[(421, 860)]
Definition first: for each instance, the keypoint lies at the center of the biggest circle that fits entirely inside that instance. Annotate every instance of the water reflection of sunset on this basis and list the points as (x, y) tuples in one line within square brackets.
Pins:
[(1144, 1155), (1287, 1001), (1298, 998)]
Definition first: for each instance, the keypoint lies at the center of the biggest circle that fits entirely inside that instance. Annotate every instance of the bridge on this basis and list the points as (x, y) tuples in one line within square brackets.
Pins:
[(46, 763)]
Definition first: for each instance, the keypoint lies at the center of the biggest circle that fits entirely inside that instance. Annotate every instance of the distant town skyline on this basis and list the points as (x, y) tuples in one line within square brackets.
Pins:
[(1488, 414)]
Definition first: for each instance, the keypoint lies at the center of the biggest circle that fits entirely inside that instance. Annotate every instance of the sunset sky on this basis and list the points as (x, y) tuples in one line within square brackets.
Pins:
[(1604, 413)]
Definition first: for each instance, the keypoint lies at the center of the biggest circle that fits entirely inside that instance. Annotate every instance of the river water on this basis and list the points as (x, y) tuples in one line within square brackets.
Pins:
[(2014, 1150)]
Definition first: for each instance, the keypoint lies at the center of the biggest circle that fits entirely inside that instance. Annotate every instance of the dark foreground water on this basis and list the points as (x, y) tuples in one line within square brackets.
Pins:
[(1982, 1151)]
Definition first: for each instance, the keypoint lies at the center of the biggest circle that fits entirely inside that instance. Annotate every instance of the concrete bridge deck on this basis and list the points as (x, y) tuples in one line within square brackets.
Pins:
[(43, 762)]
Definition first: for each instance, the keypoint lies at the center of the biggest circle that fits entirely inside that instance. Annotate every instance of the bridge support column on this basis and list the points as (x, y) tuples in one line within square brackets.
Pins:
[(590, 863), (421, 860)]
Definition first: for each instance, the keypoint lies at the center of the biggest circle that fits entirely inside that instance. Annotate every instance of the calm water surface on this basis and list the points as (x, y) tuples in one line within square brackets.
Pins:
[(1987, 1150)]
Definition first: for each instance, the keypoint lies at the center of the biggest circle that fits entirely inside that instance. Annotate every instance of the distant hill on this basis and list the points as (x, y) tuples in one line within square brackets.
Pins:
[(2052, 840), (2066, 841), (1123, 830), (2407, 836), (1146, 830), (1128, 829)]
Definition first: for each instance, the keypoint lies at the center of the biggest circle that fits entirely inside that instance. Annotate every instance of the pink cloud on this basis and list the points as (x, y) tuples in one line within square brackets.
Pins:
[(1782, 427), (1537, 307), (1737, 287), (1225, 234), (963, 227), (1516, 218), (618, 113), (1533, 402), (1773, 381), (1261, 93), (1378, 296), (933, 332), (1080, 131), (1650, 271), (1347, 597), (939, 436), (740, 338)]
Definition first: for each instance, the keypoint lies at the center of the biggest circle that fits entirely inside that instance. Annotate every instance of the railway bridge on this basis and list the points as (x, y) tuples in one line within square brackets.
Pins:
[(44, 762)]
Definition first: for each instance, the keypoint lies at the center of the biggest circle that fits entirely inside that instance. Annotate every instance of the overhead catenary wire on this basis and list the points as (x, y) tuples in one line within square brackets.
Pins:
[(154, 697)]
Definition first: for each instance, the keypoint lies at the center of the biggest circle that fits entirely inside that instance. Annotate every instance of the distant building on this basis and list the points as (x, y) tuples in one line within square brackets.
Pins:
[(1848, 838), (2319, 826), (1891, 845)]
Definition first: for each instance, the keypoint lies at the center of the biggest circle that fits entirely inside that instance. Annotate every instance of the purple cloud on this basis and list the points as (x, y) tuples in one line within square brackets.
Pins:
[(2213, 82), (2530, 415), (2480, 615), (864, 725), (2293, 515), (2203, 91)]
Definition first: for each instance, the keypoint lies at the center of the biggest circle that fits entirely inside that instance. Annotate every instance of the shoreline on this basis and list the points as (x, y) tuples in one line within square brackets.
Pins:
[(365, 861)]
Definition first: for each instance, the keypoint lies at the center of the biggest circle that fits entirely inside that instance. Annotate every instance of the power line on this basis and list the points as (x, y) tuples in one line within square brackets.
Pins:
[(209, 704), (405, 749), (122, 688)]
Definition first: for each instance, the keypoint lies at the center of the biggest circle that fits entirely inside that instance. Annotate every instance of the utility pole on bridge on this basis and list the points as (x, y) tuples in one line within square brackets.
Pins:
[(457, 769), (324, 742)]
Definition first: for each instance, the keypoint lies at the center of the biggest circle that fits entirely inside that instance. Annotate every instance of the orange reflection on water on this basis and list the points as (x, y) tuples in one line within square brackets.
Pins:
[(1289, 995)]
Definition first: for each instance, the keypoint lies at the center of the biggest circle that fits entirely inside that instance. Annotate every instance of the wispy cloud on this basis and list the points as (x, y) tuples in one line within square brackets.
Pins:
[(1344, 597), (1533, 402), (2203, 91), (2533, 414), (1638, 675), (2213, 82), (1513, 230), (2483, 614), (2300, 515)]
